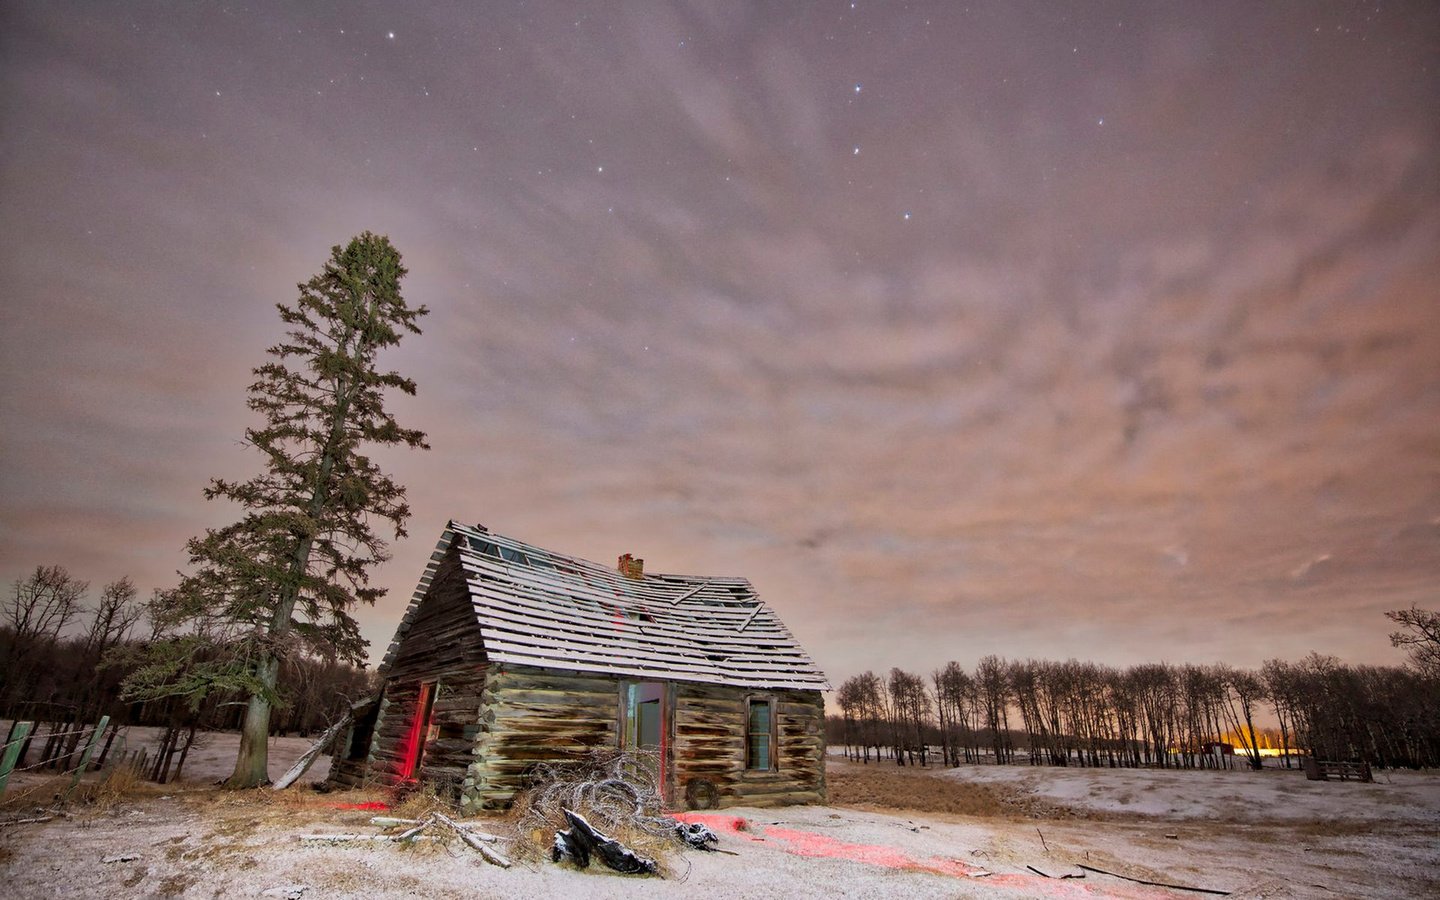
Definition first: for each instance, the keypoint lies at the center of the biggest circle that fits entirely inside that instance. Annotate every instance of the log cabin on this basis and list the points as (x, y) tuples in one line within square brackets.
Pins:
[(510, 655)]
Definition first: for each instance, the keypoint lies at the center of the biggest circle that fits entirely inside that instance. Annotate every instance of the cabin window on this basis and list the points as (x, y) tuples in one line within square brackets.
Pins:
[(760, 734)]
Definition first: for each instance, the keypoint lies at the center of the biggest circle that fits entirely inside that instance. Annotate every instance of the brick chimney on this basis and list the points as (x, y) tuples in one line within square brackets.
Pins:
[(630, 566)]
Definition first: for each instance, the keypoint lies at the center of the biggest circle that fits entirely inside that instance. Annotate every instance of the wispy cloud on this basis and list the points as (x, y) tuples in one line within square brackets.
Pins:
[(1156, 378)]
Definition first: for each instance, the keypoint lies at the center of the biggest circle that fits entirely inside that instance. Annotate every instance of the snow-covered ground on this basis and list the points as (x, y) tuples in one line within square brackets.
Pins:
[(970, 832), (211, 758), (1238, 795)]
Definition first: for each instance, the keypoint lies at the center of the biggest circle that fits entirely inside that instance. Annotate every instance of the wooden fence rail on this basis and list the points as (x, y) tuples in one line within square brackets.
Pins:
[(19, 734), (12, 752)]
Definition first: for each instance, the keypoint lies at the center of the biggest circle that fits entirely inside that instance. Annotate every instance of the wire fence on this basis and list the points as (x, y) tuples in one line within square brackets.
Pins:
[(62, 745), (28, 737)]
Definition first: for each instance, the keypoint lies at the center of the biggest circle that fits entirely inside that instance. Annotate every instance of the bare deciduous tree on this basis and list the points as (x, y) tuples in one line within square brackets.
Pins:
[(115, 614), (1420, 634), (1242, 691), (44, 603)]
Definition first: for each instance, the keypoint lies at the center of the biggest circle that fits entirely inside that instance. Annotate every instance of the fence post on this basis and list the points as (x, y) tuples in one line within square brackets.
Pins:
[(13, 745), (89, 749)]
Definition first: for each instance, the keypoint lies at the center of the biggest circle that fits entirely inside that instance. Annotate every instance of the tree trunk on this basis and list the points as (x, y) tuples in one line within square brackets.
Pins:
[(252, 764)]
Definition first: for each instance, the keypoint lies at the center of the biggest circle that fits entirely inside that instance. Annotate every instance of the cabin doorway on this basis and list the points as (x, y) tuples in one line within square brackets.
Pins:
[(420, 732), (646, 724)]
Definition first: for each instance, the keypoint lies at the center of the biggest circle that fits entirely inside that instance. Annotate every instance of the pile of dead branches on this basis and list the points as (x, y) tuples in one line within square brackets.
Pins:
[(605, 804)]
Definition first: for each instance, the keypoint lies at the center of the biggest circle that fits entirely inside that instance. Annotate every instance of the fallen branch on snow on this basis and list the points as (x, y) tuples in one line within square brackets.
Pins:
[(348, 837), (473, 840), (468, 835), (1174, 887)]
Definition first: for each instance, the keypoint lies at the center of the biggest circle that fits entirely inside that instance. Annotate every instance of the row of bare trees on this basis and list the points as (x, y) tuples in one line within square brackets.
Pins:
[(66, 661), (1076, 713)]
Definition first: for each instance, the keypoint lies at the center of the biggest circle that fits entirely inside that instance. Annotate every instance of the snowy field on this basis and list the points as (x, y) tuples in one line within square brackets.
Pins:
[(969, 832), (1238, 796)]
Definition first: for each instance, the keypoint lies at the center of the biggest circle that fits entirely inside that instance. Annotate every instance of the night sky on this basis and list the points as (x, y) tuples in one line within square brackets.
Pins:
[(1108, 331)]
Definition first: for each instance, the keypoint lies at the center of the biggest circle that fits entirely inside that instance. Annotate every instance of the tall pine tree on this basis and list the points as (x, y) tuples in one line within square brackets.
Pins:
[(284, 578)]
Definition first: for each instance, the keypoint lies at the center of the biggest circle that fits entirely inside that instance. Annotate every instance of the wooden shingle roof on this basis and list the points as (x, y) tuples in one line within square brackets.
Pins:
[(539, 608)]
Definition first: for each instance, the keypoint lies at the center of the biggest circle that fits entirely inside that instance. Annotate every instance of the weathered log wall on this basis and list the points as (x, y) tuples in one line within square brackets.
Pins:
[(490, 724), (535, 715), (442, 645), (545, 715), (345, 771), (710, 745)]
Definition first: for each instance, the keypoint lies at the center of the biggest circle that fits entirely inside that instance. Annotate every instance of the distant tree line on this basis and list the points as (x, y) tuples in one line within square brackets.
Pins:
[(1187, 716), (67, 661)]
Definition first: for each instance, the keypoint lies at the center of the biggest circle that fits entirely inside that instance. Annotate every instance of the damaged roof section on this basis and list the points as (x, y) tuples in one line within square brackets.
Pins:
[(539, 608)]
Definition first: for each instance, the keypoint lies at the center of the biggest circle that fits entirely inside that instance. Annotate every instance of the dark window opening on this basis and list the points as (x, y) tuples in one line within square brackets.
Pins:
[(360, 735), (760, 735), (480, 545), (647, 723)]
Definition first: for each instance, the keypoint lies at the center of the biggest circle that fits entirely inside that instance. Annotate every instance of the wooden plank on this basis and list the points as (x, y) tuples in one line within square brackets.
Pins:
[(598, 582), (698, 632), (89, 749), (503, 630), (562, 649), (502, 635), (610, 593), (690, 593), (594, 576), (656, 673), (553, 697), (19, 732), (719, 631), (529, 677)]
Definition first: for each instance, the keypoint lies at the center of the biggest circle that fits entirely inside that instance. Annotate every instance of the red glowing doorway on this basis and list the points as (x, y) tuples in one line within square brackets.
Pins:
[(419, 731)]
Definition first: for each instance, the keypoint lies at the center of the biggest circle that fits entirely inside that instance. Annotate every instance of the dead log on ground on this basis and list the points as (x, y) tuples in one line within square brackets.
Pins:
[(472, 840), (581, 841), (29, 821), (414, 831)]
